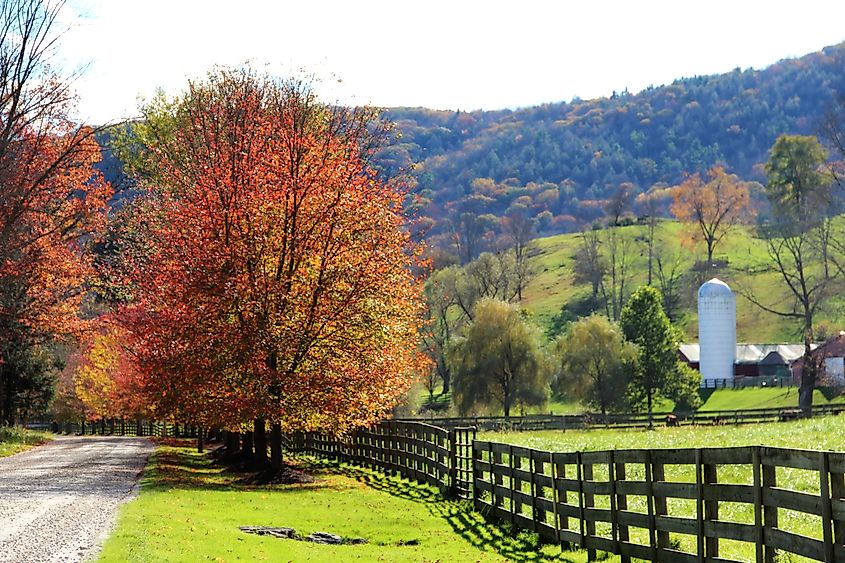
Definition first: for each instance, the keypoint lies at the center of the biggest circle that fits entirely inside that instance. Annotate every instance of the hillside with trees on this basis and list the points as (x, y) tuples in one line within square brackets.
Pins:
[(562, 165)]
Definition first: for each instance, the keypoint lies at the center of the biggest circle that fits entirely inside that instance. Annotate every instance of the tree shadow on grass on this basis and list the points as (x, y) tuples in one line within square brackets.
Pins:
[(520, 547), (179, 468)]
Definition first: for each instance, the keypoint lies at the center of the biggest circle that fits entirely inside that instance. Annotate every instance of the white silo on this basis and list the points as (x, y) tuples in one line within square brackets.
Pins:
[(716, 330)]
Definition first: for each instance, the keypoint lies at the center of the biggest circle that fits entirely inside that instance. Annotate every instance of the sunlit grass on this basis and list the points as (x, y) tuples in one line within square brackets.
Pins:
[(14, 439), (190, 510)]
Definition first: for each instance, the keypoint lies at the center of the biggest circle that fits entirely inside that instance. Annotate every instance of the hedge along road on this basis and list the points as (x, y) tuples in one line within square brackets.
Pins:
[(59, 501)]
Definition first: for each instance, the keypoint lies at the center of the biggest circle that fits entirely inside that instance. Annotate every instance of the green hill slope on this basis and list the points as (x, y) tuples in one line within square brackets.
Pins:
[(743, 256)]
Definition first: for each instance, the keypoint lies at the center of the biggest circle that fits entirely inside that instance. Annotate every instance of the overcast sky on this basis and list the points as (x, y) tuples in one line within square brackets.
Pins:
[(456, 54)]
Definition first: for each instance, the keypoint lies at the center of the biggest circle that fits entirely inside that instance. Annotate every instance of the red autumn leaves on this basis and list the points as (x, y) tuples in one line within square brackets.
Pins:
[(277, 279)]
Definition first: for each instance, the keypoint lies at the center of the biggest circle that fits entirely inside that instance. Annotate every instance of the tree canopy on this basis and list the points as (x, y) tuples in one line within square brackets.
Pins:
[(501, 360)]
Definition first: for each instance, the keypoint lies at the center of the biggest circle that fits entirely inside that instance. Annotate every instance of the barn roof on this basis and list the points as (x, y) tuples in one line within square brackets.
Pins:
[(753, 353)]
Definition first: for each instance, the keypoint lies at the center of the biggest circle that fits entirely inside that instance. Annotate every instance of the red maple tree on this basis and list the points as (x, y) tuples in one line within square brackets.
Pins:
[(279, 282)]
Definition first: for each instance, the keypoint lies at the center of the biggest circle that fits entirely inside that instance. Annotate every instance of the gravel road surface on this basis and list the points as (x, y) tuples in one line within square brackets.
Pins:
[(59, 501)]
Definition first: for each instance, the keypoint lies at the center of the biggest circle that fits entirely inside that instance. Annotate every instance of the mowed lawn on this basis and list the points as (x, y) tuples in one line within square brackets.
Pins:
[(189, 509)]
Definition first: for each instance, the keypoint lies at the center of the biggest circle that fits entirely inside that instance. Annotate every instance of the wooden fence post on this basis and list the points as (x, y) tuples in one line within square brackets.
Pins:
[(758, 503), (453, 462), (837, 491), (711, 510), (476, 475), (621, 499), (562, 519), (658, 474), (516, 484), (827, 508), (496, 460), (770, 513), (537, 468), (589, 502)]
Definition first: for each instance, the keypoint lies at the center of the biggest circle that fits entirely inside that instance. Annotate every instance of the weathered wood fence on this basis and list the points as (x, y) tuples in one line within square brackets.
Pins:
[(621, 421), (656, 505), (117, 427), (418, 451), (669, 505)]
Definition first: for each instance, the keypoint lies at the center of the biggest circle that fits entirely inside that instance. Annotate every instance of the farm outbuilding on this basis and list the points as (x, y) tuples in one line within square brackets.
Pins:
[(830, 357), (771, 361)]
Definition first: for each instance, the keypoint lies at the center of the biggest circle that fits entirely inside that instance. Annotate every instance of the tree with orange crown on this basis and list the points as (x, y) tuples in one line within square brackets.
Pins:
[(51, 198), (278, 286)]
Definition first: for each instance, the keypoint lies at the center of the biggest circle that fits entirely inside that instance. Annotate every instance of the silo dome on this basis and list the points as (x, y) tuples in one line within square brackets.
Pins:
[(716, 330)]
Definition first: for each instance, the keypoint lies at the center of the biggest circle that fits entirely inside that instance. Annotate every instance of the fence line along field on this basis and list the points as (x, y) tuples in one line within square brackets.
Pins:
[(716, 502)]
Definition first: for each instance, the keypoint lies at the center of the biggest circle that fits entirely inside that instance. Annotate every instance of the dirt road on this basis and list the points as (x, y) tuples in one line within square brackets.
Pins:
[(58, 501)]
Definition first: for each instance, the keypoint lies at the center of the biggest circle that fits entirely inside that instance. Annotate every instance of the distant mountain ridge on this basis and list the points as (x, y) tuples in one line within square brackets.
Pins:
[(557, 163)]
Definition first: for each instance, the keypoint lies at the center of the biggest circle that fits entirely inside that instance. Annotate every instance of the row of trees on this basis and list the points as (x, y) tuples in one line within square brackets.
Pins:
[(502, 359), (263, 276)]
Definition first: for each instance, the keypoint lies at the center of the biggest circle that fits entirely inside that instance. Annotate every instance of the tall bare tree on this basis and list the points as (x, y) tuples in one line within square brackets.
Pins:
[(797, 187)]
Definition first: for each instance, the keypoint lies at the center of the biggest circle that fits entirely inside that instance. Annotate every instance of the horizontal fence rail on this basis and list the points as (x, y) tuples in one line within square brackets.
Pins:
[(627, 420), (669, 505), (117, 427), (415, 450), (656, 505)]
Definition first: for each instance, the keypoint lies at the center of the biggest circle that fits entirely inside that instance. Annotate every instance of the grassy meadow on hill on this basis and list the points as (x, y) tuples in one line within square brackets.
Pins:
[(552, 287)]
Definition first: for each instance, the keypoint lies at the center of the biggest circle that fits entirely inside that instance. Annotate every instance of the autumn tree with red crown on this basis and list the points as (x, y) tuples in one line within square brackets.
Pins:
[(278, 286), (51, 197)]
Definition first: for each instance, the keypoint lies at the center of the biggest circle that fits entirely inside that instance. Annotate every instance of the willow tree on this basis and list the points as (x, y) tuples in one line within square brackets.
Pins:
[(596, 363), (501, 361)]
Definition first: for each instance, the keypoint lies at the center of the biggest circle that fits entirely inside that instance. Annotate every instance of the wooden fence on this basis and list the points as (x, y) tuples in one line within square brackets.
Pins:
[(418, 451), (622, 421), (670, 505), (115, 427)]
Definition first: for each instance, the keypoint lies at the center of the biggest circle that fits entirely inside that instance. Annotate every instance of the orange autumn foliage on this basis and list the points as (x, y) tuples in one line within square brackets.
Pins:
[(711, 206), (279, 283)]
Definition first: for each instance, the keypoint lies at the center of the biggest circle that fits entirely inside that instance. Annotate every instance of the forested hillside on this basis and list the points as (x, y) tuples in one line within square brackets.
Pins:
[(559, 163)]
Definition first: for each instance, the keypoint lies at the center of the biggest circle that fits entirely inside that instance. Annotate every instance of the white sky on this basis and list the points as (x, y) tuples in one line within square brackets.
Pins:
[(458, 54)]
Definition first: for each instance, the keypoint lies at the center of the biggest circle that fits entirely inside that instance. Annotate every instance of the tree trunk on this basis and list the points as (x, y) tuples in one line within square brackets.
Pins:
[(200, 439), (650, 418), (807, 384), (259, 435), (246, 444), (808, 373), (276, 460), (233, 442)]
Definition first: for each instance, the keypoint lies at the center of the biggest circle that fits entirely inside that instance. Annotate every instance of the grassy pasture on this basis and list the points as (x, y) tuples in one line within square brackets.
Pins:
[(551, 286), (189, 509), (822, 433), (15, 439)]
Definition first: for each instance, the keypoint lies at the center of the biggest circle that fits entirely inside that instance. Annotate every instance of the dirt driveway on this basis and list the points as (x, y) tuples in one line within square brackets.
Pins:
[(58, 501)]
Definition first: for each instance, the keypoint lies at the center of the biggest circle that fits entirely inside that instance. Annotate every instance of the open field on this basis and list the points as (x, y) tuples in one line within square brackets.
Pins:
[(814, 434), (15, 439), (820, 433), (761, 398), (552, 287), (713, 400), (189, 509)]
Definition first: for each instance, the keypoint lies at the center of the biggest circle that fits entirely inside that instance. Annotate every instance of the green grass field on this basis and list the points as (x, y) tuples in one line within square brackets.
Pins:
[(190, 509), (761, 398), (15, 439), (551, 286), (822, 433)]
